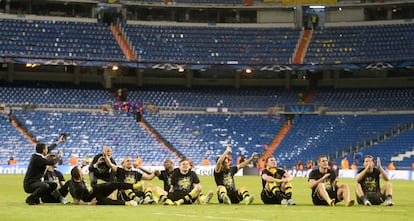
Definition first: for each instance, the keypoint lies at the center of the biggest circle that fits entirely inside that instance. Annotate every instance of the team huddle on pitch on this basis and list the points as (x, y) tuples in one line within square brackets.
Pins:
[(182, 185)]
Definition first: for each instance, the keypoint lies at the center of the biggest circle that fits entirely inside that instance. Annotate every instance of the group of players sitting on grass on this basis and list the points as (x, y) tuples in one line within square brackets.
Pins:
[(182, 185)]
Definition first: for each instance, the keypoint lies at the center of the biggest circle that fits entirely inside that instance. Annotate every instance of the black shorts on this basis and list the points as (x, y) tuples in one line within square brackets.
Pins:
[(177, 195), (234, 196), (49, 199), (317, 200), (376, 198), (270, 198)]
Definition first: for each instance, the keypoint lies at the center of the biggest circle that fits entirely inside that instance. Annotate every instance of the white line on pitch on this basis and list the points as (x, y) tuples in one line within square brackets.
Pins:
[(207, 217)]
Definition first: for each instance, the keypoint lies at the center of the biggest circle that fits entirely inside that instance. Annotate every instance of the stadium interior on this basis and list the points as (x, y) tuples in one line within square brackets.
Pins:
[(185, 78)]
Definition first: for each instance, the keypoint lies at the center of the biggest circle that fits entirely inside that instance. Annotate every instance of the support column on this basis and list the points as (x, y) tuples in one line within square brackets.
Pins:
[(326, 75), (288, 76), (139, 73), (93, 13), (76, 75), (7, 7), (389, 13), (298, 13), (107, 81), (187, 15), (237, 16), (336, 78), (10, 72), (237, 80), (188, 78)]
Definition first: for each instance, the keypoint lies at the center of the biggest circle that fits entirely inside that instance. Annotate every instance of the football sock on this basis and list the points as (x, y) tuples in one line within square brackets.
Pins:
[(288, 190), (244, 193), (131, 195), (222, 191), (148, 193), (137, 186)]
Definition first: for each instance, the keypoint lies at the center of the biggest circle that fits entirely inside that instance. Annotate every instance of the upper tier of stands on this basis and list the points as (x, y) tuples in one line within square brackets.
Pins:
[(90, 131), (212, 45), (205, 45), (356, 44), (58, 39)]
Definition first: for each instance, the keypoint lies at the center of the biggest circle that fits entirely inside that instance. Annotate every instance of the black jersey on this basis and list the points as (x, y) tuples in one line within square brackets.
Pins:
[(36, 169), (329, 182), (165, 176), (184, 182), (79, 190), (273, 172), (127, 176), (101, 167), (54, 176), (371, 181), (226, 178)]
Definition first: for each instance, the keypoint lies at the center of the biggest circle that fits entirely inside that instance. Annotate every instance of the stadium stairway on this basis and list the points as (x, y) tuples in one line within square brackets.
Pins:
[(276, 141), (401, 156), (302, 47), (123, 43), (23, 131), (152, 131), (308, 96)]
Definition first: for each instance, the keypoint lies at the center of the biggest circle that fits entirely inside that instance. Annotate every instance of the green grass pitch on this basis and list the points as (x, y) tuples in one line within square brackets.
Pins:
[(13, 207)]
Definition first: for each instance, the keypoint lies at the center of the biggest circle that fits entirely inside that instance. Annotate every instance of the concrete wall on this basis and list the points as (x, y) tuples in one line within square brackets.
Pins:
[(275, 15), (345, 15)]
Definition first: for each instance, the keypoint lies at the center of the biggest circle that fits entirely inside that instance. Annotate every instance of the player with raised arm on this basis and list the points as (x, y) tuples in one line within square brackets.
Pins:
[(368, 189), (165, 175), (126, 174), (224, 177), (32, 182), (98, 168)]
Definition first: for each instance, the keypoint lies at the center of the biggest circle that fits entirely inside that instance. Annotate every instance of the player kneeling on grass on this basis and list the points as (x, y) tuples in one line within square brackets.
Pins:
[(144, 195), (368, 189), (324, 184), (277, 186), (224, 177), (32, 182), (185, 186), (100, 192)]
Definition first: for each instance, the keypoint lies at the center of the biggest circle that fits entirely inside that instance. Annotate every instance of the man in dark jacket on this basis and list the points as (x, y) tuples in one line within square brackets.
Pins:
[(33, 180)]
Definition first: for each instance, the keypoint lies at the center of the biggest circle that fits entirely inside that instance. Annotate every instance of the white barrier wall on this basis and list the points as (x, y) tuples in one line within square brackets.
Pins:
[(209, 170)]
